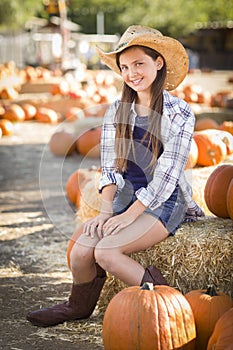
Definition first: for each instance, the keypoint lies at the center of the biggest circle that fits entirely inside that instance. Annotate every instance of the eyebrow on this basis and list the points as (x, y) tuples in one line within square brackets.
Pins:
[(135, 61)]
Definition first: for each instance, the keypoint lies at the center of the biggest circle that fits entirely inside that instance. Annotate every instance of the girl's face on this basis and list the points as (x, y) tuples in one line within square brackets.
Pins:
[(138, 69)]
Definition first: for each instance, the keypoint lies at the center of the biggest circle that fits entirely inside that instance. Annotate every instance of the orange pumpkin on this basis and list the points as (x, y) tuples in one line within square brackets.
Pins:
[(227, 126), (230, 199), (9, 93), (222, 336), (225, 137), (88, 143), (62, 143), (208, 306), (6, 127), (74, 113), (206, 123), (211, 149), (75, 184), (216, 190), (193, 155), (29, 110), (14, 113), (148, 318), (46, 115)]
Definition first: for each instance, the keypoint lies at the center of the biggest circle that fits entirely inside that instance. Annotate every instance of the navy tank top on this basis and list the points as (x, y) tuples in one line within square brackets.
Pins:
[(139, 172)]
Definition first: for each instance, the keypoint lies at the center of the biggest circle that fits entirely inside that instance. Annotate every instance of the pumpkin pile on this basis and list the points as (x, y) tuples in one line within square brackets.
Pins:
[(12, 78), (160, 318), (194, 93)]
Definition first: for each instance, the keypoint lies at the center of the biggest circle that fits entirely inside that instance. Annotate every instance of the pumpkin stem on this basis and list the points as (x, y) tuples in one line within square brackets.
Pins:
[(211, 291), (147, 286)]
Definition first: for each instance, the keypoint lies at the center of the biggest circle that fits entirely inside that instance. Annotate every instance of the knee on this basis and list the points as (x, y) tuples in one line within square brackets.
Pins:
[(80, 255), (105, 258)]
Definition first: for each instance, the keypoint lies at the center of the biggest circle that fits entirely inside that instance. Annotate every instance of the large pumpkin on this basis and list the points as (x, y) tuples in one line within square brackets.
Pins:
[(208, 306), (211, 149), (148, 318), (230, 199), (76, 182), (206, 123), (62, 143), (222, 336), (216, 189), (88, 144)]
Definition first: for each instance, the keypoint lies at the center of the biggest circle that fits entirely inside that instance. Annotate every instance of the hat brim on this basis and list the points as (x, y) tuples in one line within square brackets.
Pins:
[(172, 51)]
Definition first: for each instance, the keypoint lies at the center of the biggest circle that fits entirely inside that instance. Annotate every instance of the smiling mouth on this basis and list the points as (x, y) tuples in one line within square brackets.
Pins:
[(136, 81)]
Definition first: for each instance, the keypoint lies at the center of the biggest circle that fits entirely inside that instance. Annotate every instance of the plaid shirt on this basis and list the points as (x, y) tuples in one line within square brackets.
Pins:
[(176, 134)]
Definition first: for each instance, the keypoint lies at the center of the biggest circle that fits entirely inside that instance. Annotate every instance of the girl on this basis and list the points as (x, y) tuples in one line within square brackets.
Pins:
[(146, 138)]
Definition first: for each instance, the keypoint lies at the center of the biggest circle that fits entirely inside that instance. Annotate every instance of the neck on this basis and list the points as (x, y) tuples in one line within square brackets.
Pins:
[(143, 104)]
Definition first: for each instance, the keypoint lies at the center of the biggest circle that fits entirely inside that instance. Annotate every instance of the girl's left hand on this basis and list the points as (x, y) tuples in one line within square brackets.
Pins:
[(117, 223)]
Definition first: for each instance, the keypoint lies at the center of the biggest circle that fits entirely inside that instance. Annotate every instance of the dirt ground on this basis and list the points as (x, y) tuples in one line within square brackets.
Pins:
[(36, 222), (35, 225)]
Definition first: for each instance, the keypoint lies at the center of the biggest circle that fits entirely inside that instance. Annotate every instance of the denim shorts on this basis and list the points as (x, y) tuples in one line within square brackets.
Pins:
[(171, 213)]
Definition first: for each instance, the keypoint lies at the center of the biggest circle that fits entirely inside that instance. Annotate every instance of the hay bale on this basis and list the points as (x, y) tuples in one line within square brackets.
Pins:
[(198, 255)]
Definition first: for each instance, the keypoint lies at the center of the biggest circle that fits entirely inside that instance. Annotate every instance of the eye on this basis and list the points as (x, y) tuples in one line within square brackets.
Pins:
[(123, 68), (138, 64)]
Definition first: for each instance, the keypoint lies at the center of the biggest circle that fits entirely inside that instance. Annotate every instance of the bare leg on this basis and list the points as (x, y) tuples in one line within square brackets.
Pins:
[(82, 260), (112, 252)]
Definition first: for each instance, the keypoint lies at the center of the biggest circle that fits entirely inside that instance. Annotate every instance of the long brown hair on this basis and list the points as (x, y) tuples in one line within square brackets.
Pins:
[(123, 141)]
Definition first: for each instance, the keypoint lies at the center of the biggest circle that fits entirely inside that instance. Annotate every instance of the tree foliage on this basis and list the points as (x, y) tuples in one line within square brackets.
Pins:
[(176, 18), (14, 13)]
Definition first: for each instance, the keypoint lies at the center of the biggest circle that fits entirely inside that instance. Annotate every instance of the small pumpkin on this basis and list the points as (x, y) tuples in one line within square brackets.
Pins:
[(216, 191), (227, 126), (9, 93), (62, 143), (6, 127), (205, 123), (14, 113), (222, 336), (148, 318), (74, 113), (211, 149), (29, 110), (46, 115), (208, 305), (88, 143)]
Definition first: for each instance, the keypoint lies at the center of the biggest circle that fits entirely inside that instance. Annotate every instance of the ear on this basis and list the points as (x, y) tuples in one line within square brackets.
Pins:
[(159, 62)]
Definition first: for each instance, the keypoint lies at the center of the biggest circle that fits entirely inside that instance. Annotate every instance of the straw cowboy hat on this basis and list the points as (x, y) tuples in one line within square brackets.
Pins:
[(171, 49)]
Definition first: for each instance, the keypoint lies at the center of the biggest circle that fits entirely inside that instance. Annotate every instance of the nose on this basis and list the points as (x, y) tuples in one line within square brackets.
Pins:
[(132, 71)]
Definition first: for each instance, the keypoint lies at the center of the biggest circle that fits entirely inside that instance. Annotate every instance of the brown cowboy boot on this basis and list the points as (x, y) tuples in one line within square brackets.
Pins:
[(80, 305), (153, 274)]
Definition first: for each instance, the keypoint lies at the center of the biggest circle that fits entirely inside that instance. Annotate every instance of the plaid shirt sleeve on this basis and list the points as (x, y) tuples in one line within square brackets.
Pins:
[(110, 175), (176, 133)]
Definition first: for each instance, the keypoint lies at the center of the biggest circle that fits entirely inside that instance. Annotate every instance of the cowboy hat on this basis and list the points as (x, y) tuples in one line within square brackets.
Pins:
[(171, 50)]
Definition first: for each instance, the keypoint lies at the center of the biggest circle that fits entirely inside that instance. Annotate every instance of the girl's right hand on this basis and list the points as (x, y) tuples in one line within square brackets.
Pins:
[(94, 226)]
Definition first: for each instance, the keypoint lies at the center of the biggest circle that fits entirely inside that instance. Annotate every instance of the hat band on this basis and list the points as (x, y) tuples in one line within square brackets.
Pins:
[(121, 45)]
